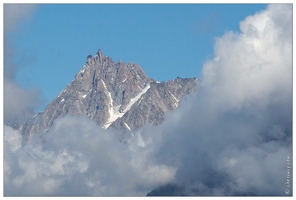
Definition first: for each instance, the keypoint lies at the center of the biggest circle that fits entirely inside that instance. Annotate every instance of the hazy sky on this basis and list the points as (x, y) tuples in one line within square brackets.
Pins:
[(51, 41)]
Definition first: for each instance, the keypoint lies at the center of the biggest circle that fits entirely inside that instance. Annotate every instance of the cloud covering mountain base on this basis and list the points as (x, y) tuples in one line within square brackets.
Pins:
[(233, 138), (78, 158)]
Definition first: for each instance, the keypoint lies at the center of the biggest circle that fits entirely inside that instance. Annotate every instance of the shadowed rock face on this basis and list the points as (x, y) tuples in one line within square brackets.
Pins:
[(113, 94)]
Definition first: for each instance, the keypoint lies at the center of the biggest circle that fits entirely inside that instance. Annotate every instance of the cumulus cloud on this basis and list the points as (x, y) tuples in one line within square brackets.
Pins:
[(233, 138), (254, 64)]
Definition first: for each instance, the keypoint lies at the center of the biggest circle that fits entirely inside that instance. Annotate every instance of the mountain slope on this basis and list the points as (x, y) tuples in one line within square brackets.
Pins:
[(113, 94)]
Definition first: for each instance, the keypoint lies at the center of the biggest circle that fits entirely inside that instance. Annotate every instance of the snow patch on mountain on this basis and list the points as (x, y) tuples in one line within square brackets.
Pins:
[(115, 113), (127, 126), (176, 104), (134, 100)]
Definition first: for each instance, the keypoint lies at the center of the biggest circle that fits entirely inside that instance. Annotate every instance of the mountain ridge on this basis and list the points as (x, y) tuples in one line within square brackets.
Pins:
[(118, 95)]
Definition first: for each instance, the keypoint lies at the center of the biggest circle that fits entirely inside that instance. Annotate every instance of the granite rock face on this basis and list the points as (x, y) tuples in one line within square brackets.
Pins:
[(119, 95)]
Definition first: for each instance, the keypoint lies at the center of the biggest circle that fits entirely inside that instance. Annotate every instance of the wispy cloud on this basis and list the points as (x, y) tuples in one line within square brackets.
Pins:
[(18, 102), (15, 13)]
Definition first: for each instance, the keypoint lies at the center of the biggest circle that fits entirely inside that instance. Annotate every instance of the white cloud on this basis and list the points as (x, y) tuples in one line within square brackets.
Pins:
[(77, 157), (254, 64)]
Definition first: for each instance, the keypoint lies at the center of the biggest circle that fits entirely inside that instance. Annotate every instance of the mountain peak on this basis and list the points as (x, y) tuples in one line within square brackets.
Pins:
[(112, 94), (100, 55), (98, 59), (99, 52)]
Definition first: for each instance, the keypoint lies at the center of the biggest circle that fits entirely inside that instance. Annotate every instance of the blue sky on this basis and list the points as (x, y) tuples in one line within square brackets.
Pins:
[(166, 40)]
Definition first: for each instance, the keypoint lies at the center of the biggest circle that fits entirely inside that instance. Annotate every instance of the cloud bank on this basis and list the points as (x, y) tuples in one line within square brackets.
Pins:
[(233, 138), (78, 158)]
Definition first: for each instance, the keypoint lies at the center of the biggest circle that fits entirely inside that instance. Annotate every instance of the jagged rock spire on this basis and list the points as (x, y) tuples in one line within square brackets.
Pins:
[(101, 55)]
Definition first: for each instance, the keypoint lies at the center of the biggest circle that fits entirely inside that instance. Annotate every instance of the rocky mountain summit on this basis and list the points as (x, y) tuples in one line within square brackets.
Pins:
[(117, 95)]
